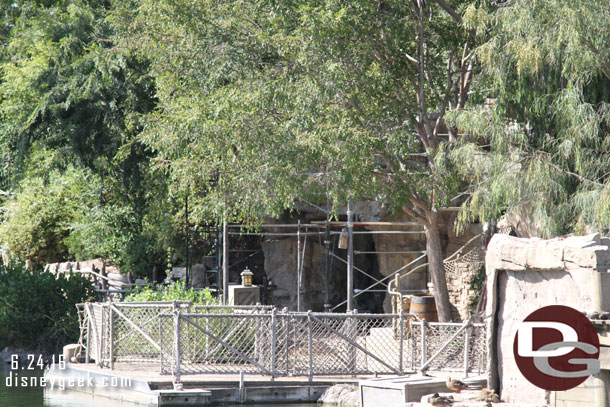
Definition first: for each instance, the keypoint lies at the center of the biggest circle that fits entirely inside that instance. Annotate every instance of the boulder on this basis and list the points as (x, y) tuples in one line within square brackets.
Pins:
[(198, 277)]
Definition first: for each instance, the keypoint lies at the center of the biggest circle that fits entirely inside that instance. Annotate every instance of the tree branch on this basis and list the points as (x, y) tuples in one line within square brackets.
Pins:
[(449, 10)]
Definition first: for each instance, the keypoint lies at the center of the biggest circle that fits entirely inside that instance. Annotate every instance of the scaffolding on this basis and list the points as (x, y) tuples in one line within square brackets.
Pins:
[(322, 233)]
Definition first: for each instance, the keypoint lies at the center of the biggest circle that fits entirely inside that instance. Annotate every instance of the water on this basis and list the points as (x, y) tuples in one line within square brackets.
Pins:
[(33, 396)]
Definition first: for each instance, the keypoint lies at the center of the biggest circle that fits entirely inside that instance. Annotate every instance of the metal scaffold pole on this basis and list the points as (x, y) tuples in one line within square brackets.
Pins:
[(350, 258), (299, 266), (225, 263)]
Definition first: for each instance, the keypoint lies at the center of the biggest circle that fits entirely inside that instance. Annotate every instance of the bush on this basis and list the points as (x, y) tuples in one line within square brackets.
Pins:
[(38, 217), (175, 291), (37, 310)]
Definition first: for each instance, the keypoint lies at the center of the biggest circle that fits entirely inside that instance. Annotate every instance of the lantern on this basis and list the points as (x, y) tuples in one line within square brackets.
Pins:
[(343, 239), (246, 277)]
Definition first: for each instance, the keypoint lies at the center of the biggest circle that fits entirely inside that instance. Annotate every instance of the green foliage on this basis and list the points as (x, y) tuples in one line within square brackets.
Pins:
[(63, 86), (38, 218), (70, 103), (37, 309), (175, 291), (547, 128), (477, 283), (262, 103)]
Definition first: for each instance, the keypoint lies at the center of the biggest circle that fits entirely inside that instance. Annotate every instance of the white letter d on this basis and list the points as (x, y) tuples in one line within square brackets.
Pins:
[(526, 333)]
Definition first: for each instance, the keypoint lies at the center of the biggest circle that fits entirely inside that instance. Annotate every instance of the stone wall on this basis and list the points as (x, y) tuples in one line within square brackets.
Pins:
[(461, 294), (526, 274)]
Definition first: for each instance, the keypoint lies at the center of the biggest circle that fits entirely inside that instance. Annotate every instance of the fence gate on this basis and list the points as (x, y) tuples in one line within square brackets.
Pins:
[(221, 343)]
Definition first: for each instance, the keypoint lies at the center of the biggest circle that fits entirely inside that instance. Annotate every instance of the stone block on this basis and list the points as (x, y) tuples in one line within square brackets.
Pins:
[(241, 295)]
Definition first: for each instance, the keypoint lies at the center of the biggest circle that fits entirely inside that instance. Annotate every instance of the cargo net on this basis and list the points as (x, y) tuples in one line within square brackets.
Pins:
[(471, 254), (452, 357), (224, 343), (94, 333)]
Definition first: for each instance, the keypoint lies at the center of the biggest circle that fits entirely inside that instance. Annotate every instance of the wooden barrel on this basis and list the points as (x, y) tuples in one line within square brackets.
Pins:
[(424, 307)]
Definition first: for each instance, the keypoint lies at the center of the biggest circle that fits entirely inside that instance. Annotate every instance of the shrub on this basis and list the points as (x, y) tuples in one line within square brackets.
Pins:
[(175, 291), (37, 310)]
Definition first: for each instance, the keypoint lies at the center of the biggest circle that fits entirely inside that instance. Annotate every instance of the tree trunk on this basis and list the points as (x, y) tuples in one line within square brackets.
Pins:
[(436, 268)]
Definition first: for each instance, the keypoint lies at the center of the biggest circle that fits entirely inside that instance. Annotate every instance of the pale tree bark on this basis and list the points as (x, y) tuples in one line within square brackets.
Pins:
[(425, 211), (434, 251)]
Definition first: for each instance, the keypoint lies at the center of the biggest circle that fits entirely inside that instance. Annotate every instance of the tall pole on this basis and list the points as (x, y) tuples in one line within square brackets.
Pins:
[(225, 263), (299, 266), (186, 240), (326, 264), (350, 258)]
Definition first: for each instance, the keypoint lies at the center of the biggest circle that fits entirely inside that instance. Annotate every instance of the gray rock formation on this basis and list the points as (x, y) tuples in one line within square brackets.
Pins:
[(341, 395), (524, 275)]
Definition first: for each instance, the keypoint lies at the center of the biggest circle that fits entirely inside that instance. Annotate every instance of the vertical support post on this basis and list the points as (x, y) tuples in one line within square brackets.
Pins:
[(241, 387), (354, 321), (466, 347), (207, 337), (161, 360), (273, 340), (350, 258), (104, 275), (111, 331), (177, 354), (299, 266), (401, 339), (186, 239), (423, 343), (88, 348), (310, 345), (327, 262), (287, 321), (99, 340), (225, 263)]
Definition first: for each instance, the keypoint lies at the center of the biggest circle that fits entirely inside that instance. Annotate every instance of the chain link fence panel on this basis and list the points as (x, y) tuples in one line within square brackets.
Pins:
[(187, 339)]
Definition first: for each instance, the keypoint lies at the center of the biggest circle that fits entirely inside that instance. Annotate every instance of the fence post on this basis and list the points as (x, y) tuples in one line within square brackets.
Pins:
[(401, 339), (310, 345), (88, 348), (273, 339), (466, 347), (111, 332), (177, 343), (288, 323), (161, 368), (423, 343), (207, 337)]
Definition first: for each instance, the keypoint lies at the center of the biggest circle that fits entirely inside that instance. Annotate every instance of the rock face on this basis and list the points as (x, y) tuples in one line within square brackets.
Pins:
[(526, 274), (341, 395), (281, 262), (281, 269)]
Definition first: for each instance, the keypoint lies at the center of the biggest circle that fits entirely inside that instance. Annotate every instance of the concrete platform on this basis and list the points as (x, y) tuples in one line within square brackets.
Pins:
[(141, 385), (398, 390)]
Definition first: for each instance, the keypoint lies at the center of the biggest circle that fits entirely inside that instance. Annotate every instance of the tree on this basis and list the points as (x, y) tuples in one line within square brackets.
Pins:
[(37, 220), (261, 103), (547, 65), (67, 91)]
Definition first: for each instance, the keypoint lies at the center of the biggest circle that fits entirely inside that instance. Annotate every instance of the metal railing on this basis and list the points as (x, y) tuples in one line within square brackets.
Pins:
[(184, 339)]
